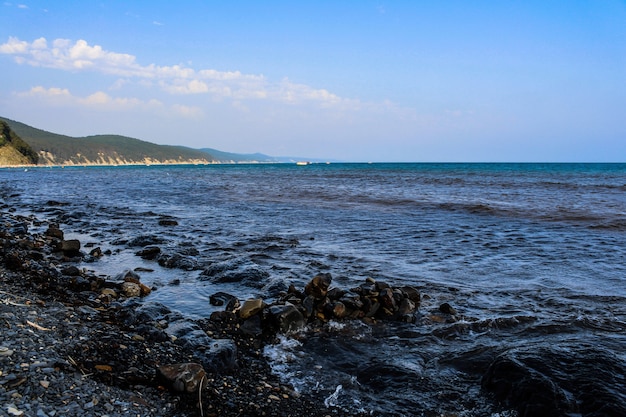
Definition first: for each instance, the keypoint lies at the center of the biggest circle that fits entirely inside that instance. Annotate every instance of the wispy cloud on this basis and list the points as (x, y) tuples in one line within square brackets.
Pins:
[(102, 101), (78, 56)]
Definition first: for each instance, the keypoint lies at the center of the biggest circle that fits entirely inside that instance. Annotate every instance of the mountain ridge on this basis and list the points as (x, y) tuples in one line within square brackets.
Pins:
[(50, 148)]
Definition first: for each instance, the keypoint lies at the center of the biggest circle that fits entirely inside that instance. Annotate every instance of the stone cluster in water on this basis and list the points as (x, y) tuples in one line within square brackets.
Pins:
[(319, 303)]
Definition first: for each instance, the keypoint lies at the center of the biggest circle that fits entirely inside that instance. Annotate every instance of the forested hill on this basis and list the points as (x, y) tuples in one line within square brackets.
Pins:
[(13, 150), (55, 149)]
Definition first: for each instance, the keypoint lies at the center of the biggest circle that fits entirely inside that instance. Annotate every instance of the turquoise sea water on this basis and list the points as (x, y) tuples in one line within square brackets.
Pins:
[(545, 241)]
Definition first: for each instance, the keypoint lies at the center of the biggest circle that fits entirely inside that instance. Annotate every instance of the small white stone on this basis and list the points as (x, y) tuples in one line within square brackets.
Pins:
[(14, 411)]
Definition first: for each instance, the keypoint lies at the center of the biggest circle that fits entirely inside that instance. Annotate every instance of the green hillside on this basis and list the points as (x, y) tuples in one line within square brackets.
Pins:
[(55, 149), (13, 150)]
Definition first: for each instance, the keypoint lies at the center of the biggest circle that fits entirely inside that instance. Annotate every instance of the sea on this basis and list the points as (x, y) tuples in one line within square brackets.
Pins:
[(532, 256)]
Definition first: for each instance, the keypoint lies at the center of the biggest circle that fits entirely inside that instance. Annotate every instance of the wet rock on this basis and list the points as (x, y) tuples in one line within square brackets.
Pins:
[(128, 276), (412, 294), (168, 222), (253, 326), (70, 247), (558, 381), (183, 377), (149, 252), (146, 240), (407, 307), (336, 309), (446, 308), (387, 299), (131, 289), (239, 270), (251, 307), (286, 317), (178, 261), (54, 232), (318, 286), (96, 252), (230, 302)]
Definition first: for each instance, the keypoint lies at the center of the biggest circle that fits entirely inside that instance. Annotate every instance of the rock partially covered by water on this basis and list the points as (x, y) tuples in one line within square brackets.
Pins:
[(318, 286), (240, 270), (558, 381), (70, 248)]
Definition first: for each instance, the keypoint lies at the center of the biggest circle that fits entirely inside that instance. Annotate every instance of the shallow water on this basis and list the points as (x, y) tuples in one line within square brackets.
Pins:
[(528, 254)]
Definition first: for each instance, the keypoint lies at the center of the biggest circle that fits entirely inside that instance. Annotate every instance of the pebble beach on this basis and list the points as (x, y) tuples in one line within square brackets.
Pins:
[(67, 351)]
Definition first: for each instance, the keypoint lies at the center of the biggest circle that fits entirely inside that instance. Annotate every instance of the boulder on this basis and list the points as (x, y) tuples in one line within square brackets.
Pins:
[(318, 286), (70, 248), (149, 252), (251, 307), (559, 380), (219, 299), (240, 270), (216, 355), (182, 377), (286, 317)]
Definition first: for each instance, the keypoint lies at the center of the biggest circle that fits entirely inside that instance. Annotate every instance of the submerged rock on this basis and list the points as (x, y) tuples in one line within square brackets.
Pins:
[(558, 381)]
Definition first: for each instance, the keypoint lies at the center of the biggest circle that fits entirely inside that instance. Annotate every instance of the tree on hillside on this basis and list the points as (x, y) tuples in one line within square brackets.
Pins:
[(8, 137)]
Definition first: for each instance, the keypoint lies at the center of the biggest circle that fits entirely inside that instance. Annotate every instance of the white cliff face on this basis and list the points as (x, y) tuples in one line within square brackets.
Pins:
[(47, 158)]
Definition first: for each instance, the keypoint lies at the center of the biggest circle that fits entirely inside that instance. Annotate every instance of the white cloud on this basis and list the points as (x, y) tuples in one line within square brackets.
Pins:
[(100, 100), (189, 112), (64, 54)]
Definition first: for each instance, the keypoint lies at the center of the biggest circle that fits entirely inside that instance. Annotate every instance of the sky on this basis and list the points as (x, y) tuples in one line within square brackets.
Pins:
[(362, 81)]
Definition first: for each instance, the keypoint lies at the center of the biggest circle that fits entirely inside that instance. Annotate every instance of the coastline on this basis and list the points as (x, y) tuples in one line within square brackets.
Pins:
[(67, 350)]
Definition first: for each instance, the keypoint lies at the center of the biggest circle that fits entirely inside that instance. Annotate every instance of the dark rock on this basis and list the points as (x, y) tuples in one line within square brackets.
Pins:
[(178, 261), (558, 381), (148, 312), (251, 307), (336, 293), (219, 299), (446, 308), (149, 252), (286, 317), (318, 286), (96, 252), (71, 271), (252, 326), (128, 276), (182, 377), (168, 222), (70, 247), (387, 299), (216, 355), (54, 231), (146, 240), (238, 270), (406, 307), (412, 294)]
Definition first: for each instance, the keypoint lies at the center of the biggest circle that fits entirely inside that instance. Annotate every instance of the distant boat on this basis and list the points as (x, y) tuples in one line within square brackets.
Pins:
[(301, 163)]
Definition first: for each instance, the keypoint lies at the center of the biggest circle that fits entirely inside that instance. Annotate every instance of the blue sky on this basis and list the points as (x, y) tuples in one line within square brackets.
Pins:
[(341, 80)]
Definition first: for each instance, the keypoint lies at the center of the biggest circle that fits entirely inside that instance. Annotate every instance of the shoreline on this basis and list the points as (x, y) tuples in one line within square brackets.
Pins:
[(67, 350)]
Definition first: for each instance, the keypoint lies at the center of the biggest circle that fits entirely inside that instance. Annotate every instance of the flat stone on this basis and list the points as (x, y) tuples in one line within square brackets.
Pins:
[(183, 377), (250, 308)]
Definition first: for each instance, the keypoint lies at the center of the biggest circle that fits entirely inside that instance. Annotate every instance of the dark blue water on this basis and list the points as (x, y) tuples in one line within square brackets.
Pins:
[(542, 243)]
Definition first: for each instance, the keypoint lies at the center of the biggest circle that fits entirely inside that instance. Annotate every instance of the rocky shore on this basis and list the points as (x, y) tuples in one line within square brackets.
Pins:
[(73, 344)]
